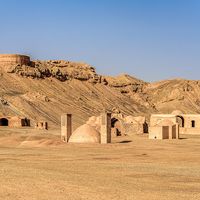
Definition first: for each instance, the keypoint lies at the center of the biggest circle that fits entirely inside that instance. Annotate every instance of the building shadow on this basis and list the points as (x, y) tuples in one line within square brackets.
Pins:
[(183, 138), (125, 141)]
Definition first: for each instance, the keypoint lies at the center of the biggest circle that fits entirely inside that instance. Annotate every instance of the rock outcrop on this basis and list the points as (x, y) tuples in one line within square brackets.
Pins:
[(59, 69), (43, 90)]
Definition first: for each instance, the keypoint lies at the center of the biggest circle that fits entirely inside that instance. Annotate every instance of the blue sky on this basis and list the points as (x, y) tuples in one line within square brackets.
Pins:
[(149, 39)]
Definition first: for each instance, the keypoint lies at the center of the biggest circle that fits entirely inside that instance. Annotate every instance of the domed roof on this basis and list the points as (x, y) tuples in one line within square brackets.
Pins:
[(85, 134), (165, 122), (177, 112), (95, 122)]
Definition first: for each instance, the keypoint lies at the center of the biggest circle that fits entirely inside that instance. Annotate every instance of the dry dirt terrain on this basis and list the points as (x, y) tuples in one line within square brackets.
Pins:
[(35, 165)]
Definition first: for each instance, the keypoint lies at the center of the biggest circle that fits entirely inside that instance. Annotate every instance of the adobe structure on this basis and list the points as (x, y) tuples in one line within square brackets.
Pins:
[(14, 122), (105, 128), (164, 129), (14, 59), (42, 125), (86, 133), (187, 123), (66, 127), (122, 125)]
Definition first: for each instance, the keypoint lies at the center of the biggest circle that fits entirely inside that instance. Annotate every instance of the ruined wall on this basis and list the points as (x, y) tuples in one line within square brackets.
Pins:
[(14, 122), (41, 125), (14, 59)]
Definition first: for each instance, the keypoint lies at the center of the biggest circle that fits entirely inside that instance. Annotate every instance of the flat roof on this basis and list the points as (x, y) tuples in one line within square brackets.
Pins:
[(171, 115)]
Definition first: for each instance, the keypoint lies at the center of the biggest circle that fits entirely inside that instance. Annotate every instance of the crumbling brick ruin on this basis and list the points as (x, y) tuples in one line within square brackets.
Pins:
[(42, 125), (14, 59), (14, 122)]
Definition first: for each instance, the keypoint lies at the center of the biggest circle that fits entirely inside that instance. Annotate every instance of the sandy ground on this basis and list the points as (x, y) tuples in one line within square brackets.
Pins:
[(42, 168)]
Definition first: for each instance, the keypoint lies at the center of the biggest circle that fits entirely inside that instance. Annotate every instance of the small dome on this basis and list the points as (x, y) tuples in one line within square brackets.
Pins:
[(166, 122), (85, 134), (177, 112), (95, 122)]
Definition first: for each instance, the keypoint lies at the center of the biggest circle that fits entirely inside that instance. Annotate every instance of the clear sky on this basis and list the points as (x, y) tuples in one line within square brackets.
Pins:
[(149, 39)]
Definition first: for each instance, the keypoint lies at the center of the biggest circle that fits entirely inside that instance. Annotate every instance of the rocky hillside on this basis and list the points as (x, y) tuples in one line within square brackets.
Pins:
[(46, 89)]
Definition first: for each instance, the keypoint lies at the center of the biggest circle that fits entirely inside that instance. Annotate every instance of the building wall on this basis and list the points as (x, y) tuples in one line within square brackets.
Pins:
[(163, 132), (12, 59), (155, 132), (17, 122), (188, 129), (188, 118), (195, 131)]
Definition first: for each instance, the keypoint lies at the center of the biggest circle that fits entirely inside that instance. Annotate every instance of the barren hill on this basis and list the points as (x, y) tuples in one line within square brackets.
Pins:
[(43, 90)]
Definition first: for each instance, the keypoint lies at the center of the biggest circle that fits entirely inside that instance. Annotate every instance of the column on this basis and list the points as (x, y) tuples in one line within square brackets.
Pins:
[(177, 131), (105, 128), (170, 132), (66, 127)]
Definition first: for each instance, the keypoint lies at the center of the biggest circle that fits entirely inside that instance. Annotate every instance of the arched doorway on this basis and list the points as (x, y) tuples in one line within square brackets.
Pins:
[(3, 122), (116, 127), (180, 120)]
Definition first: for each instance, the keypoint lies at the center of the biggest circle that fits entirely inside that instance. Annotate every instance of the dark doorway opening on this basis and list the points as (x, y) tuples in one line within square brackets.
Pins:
[(145, 128), (180, 120), (165, 132), (25, 122), (3, 122), (193, 124), (116, 127)]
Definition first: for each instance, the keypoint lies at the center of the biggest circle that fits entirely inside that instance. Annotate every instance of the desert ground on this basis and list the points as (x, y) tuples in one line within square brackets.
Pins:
[(36, 165)]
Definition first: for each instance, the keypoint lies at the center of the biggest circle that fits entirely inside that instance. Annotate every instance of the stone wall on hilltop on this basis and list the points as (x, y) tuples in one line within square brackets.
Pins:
[(14, 59)]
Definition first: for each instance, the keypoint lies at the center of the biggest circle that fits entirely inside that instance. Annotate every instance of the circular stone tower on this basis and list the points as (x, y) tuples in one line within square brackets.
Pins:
[(14, 59)]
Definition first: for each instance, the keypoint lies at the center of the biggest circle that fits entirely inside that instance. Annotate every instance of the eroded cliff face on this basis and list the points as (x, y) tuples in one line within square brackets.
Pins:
[(44, 90), (59, 69)]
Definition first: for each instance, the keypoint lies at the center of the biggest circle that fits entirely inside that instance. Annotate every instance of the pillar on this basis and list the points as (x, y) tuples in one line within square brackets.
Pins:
[(105, 128), (177, 131), (170, 132), (66, 127)]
